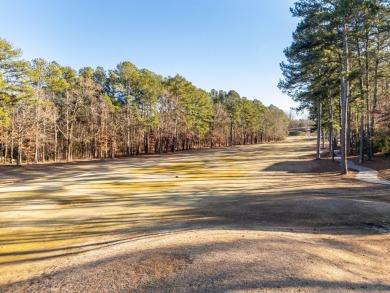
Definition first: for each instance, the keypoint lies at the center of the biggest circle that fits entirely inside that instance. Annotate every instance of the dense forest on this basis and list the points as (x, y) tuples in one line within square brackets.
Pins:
[(50, 112), (338, 68)]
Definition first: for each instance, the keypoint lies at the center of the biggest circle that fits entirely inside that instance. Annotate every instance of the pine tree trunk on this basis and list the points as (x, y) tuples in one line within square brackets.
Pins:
[(361, 147), (19, 152), (36, 159), (6, 150), (367, 70), (374, 107), (362, 98), (55, 137), (331, 150), (43, 144), (349, 139), (11, 156), (318, 152), (344, 103), (67, 128), (231, 133)]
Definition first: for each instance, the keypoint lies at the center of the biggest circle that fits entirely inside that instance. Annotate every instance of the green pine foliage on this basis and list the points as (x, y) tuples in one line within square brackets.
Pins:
[(337, 68), (50, 112)]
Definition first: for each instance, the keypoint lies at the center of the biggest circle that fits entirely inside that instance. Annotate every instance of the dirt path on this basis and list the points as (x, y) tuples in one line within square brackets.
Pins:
[(243, 219)]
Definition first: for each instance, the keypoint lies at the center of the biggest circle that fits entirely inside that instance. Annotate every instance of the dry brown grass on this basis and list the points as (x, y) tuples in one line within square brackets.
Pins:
[(245, 219)]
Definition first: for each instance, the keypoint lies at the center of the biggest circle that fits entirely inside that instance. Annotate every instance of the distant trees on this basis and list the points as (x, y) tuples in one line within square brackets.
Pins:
[(50, 112), (15, 100), (241, 121), (338, 68)]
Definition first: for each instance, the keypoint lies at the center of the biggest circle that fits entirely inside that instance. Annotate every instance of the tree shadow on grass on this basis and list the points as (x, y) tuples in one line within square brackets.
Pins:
[(86, 221), (169, 270), (358, 211)]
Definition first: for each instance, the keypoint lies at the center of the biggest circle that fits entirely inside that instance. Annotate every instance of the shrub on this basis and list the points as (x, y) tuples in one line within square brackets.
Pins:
[(382, 142)]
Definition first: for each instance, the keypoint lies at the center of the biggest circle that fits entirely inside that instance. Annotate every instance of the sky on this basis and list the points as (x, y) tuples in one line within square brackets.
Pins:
[(215, 44)]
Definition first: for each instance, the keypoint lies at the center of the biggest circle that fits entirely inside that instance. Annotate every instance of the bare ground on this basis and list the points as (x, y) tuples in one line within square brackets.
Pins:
[(263, 218)]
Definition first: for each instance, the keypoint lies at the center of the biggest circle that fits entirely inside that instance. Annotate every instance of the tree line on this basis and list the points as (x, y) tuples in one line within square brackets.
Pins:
[(50, 112), (338, 68)]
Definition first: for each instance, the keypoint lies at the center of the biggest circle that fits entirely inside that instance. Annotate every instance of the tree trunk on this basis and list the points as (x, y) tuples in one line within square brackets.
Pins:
[(146, 142), (43, 144), (374, 106), (6, 150), (12, 139), (55, 137), (349, 139), (231, 133), (69, 143), (19, 152), (361, 147), (367, 70), (318, 151), (344, 103), (362, 98), (330, 125), (67, 128), (36, 159)]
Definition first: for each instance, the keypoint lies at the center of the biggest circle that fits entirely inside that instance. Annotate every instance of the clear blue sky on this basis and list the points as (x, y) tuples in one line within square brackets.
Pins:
[(220, 44)]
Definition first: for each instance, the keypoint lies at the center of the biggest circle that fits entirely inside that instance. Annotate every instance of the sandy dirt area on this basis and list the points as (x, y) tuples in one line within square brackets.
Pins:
[(263, 218)]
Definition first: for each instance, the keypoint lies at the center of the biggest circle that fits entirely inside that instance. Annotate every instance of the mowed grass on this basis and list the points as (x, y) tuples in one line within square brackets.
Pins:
[(78, 216), (107, 202), (86, 204)]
